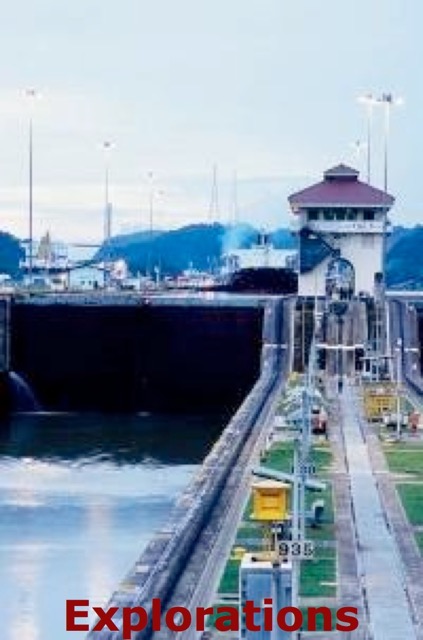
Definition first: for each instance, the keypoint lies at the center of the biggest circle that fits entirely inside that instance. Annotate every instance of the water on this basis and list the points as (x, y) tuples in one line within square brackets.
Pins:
[(80, 496), (22, 396)]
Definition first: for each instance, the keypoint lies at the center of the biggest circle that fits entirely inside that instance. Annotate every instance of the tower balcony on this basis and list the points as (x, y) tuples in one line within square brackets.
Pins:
[(346, 226)]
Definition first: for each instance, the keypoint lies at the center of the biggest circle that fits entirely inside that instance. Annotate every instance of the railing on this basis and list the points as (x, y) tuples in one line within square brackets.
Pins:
[(346, 226)]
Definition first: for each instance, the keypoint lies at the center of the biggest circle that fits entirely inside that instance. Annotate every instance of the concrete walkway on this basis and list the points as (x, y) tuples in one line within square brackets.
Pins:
[(379, 563)]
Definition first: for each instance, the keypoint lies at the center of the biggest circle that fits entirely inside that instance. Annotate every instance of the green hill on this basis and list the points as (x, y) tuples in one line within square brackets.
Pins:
[(10, 254), (405, 258), (200, 246)]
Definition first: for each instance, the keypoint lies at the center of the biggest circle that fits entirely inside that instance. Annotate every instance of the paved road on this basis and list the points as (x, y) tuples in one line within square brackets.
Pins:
[(380, 566)]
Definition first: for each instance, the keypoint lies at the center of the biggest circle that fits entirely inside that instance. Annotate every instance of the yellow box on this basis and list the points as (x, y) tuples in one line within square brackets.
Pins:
[(270, 500), (378, 400), (238, 553)]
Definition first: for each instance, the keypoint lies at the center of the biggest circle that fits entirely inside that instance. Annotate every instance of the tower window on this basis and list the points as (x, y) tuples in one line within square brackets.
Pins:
[(368, 215)]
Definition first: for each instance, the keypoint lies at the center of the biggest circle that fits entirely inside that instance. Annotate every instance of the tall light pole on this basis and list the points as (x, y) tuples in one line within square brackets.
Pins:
[(235, 209), (388, 101), (369, 101), (31, 95), (398, 376), (107, 147), (150, 203), (152, 193)]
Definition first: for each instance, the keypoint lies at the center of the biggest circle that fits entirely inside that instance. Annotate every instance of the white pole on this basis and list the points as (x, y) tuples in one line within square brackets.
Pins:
[(31, 234), (369, 136), (107, 146), (295, 530), (388, 103), (398, 403), (31, 95)]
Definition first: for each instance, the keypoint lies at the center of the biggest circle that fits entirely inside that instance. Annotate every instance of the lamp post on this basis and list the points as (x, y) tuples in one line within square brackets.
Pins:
[(357, 148), (31, 95), (152, 194), (107, 147), (388, 101), (369, 101), (150, 203)]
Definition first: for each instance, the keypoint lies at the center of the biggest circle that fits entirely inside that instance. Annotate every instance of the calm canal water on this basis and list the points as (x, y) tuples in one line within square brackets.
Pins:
[(80, 496)]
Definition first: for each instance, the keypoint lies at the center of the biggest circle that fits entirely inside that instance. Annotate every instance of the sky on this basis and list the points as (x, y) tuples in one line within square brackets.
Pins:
[(264, 89)]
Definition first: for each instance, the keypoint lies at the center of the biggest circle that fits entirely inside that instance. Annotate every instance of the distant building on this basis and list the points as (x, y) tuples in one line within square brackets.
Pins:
[(58, 266), (46, 255), (85, 277), (259, 579)]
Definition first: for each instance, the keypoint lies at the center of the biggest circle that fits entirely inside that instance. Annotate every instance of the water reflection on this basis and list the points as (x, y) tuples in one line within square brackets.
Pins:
[(25, 564), (79, 499)]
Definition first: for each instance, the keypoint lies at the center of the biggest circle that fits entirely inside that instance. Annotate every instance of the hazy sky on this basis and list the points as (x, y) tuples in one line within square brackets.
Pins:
[(264, 87)]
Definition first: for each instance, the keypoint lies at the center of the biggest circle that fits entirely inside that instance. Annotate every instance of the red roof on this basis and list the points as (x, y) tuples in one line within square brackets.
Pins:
[(341, 187)]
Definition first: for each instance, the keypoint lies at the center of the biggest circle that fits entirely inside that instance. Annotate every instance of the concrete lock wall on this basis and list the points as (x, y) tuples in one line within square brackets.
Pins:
[(131, 357), (4, 334)]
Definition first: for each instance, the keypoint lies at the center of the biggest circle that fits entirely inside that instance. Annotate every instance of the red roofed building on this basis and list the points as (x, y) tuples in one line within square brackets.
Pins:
[(341, 224)]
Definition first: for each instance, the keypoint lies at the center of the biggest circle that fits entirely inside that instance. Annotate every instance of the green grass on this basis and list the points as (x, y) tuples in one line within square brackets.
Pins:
[(280, 458), (321, 569), (313, 572), (250, 530), (229, 580), (412, 499), (405, 460), (325, 531)]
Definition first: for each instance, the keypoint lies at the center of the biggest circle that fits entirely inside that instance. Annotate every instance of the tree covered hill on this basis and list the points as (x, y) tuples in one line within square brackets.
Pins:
[(198, 246), (201, 246), (10, 254), (405, 258)]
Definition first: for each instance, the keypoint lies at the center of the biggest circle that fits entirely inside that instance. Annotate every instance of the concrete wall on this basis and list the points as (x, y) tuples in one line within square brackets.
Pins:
[(136, 357)]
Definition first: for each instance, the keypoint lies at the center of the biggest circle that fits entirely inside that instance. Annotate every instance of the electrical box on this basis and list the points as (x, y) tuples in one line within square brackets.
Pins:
[(270, 500)]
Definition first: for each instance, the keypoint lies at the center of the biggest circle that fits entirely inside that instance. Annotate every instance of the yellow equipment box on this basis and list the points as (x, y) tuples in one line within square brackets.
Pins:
[(270, 500), (379, 399)]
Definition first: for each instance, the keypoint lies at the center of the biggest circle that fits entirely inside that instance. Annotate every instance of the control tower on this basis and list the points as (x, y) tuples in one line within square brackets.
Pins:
[(341, 226)]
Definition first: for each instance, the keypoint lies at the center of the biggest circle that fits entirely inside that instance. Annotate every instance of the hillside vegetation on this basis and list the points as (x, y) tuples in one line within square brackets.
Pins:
[(201, 246)]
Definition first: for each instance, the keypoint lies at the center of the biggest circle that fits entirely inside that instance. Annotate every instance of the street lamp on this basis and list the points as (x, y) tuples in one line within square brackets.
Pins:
[(369, 101), (150, 203), (357, 147), (31, 95), (152, 194), (107, 147), (388, 101)]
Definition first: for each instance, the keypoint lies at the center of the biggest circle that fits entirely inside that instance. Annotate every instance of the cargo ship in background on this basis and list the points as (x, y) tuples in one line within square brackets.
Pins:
[(262, 268)]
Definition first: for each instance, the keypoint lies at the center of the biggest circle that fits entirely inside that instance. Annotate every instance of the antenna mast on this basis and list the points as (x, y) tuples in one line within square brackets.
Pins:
[(214, 198)]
